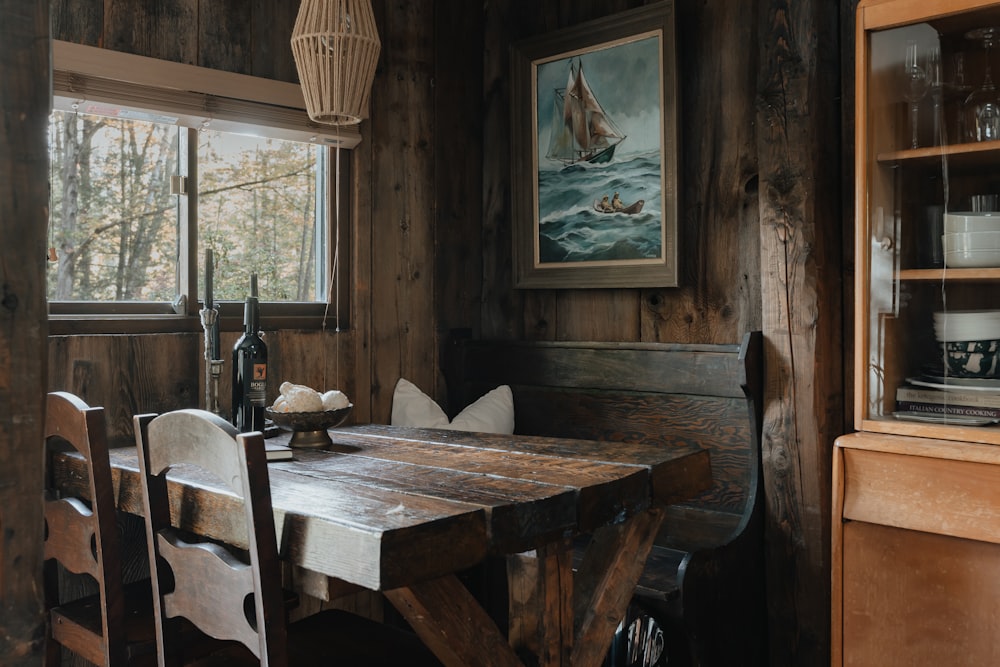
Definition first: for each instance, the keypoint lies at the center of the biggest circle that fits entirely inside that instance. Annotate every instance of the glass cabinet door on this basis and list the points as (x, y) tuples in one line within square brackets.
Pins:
[(928, 219)]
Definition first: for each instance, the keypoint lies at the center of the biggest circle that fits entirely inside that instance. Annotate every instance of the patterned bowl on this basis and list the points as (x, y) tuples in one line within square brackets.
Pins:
[(309, 428), (972, 358)]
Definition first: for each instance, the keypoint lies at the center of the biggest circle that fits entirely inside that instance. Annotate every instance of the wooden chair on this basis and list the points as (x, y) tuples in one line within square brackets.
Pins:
[(235, 594), (114, 626)]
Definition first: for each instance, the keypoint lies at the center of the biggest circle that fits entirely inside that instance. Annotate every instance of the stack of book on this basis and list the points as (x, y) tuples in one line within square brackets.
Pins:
[(956, 402)]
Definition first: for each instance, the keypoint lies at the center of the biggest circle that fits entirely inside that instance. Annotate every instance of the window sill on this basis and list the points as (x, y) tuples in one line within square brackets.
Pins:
[(65, 325)]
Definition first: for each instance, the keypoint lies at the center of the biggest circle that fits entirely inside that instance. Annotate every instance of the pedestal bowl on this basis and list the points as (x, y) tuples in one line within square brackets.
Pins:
[(309, 429)]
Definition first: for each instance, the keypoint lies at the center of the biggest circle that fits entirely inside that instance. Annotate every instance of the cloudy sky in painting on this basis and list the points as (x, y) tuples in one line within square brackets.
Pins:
[(626, 80)]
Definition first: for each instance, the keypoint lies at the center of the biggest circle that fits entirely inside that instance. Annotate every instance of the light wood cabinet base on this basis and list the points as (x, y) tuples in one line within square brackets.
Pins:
[(913, 598)]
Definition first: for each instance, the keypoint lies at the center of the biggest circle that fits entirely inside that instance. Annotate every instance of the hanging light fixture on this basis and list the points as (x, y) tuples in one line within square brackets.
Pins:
[(336, 45)]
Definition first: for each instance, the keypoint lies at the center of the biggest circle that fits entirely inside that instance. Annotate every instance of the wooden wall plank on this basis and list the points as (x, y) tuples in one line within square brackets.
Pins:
[(128, 375), (402, 216), (24, 109), (316, 359), (362, 234), (500, 302), (271, 49), (719, 295), (167, 29), (225, 40), (458, 175), (80, 21), (800, 230), (599, 315)]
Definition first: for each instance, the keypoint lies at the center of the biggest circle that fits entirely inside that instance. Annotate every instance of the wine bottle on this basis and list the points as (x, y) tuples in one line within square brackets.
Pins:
[(250, 368)]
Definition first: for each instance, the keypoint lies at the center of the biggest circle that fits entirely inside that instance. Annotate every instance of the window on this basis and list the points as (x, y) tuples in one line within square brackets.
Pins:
[(114, 228), (146, 179)]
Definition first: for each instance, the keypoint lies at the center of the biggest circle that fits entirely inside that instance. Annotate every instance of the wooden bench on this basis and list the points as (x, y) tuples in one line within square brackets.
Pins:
[(704, 580)]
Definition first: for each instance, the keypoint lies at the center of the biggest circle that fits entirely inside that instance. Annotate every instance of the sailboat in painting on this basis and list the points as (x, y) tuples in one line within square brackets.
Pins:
[(582, 131)]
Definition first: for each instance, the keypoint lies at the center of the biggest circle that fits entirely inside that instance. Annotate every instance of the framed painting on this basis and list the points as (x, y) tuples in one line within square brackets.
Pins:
[(594, 153)]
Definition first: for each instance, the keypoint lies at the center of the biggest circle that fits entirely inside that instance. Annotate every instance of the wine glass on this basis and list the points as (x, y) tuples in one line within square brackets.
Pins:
[(935, 80), (958, 89), (914, 88), (982, 107)]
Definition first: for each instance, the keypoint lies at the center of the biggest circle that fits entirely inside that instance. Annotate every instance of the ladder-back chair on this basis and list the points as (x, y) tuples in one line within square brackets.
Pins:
[(114, 626), (235, 594)]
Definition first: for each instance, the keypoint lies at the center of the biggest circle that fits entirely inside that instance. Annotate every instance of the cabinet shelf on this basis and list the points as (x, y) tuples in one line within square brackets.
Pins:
[(978, 151), (951, 275)]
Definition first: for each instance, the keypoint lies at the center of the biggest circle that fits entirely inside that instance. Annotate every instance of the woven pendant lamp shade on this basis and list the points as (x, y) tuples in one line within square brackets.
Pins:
[(335, 44)]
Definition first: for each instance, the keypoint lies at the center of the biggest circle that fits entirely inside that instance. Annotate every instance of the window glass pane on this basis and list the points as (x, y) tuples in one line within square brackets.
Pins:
[(113, 223), (258, 213)]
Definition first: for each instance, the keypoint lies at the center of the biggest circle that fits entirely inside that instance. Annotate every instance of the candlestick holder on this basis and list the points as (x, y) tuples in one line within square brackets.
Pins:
[(213, 367), (212, 399)]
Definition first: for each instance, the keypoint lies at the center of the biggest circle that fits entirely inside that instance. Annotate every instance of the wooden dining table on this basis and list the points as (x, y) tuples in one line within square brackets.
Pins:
[(404, 511)]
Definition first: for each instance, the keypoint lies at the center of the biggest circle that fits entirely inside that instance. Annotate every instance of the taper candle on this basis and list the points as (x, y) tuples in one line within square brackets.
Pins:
[(209, 270)]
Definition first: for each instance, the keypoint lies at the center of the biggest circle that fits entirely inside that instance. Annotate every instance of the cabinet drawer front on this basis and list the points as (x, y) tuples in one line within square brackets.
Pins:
[(913, 599), (957, 498)]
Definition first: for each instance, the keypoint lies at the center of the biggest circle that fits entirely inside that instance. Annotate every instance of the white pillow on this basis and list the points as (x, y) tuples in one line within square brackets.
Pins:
[(492, 413)]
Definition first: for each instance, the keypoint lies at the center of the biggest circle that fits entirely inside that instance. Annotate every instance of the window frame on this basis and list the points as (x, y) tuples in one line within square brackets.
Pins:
[(230, 102)]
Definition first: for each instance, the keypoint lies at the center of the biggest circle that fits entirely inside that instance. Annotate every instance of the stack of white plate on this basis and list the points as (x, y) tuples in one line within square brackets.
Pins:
[(967, 325), (971, 239)]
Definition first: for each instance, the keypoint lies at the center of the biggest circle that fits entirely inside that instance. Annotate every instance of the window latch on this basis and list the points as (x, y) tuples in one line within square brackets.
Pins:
[(178, 185)]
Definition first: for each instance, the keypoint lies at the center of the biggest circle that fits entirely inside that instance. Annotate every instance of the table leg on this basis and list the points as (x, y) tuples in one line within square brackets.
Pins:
[(555, 562), (568, 618), (450, 621), (452, 624), (605, 583)]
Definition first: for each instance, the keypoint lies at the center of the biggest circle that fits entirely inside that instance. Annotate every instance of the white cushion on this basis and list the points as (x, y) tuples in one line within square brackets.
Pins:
[(491, 413)]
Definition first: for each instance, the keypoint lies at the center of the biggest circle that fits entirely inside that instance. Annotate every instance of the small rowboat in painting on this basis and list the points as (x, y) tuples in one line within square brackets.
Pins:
[(631, 209)]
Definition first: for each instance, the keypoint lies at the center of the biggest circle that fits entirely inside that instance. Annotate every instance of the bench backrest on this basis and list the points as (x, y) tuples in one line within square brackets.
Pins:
[(664, 393)]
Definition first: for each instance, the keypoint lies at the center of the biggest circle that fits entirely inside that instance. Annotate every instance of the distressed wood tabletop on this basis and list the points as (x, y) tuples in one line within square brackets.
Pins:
[(401, 510)]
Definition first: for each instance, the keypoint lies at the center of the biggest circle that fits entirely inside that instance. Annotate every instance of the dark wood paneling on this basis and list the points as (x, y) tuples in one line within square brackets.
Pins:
[(230, 35), (402, 214), (24, 108), (225, 40), (458, 175), (499, 301), (317, 359), (133, 374), (605, 315), (79, 21), (719, 294), (271, 55), (167, 29), (798, 122), (127, 375)]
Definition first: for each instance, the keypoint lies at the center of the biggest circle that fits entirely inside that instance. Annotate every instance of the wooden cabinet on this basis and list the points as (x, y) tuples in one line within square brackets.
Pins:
[(916, 552), (909, 175), (916, 525)]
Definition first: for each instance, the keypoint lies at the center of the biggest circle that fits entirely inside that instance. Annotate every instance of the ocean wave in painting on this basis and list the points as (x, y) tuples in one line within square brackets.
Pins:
[(571, 230)]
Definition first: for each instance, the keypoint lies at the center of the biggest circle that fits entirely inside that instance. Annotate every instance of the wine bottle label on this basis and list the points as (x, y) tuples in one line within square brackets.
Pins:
[(257, 391)]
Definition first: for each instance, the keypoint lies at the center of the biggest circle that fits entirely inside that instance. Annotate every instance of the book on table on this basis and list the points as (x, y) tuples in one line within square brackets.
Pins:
[(276, 452)]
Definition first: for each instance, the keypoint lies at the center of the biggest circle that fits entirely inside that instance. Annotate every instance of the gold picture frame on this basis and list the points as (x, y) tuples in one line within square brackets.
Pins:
[(593, 115)]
